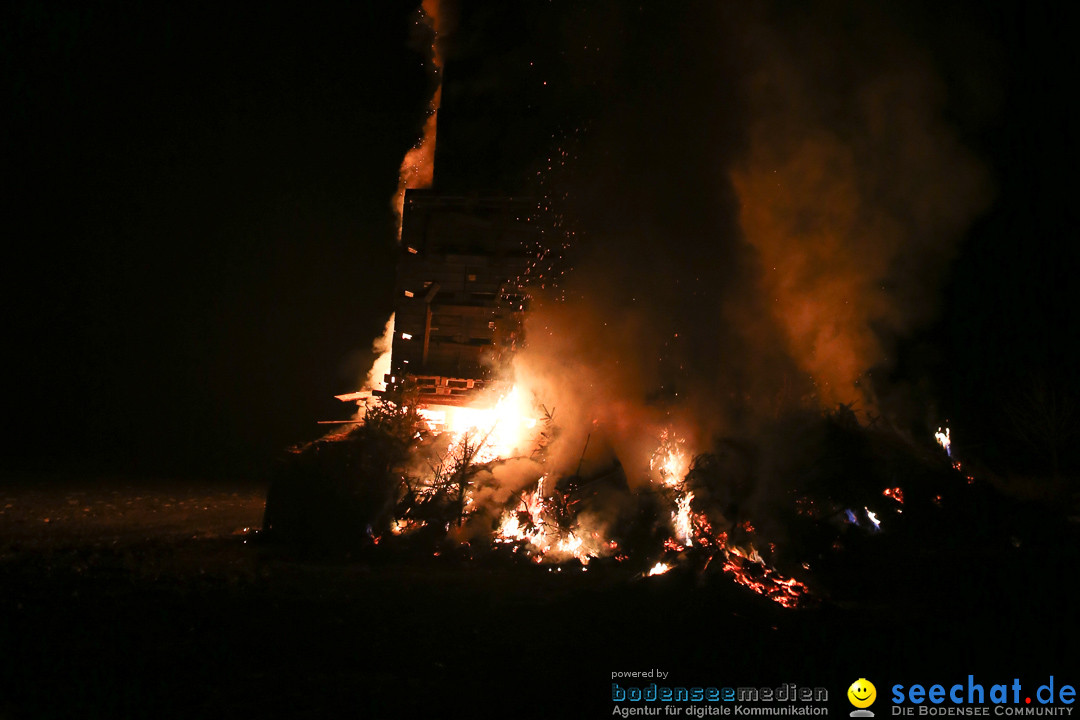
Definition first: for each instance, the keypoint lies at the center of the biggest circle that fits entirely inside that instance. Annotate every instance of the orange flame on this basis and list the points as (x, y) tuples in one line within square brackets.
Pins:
[(544, 538), (418, 166), (671, 460), (682, 519), (658, 569), (503, 431)]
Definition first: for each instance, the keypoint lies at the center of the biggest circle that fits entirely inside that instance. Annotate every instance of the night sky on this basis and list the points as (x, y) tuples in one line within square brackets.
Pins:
[(198, 205), (200, 245)]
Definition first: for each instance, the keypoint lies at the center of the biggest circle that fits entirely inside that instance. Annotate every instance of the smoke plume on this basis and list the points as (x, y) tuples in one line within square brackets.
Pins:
[(767, 201), (380, 348), (852, 191)]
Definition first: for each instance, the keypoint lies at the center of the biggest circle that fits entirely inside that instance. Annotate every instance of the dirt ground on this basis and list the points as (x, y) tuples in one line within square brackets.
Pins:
[(124, 598)]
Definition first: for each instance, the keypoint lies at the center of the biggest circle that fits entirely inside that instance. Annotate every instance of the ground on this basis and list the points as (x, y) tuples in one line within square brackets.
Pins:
[(129, 597)]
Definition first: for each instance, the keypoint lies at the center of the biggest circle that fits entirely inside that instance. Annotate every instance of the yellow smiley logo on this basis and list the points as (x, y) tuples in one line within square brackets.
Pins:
[(862, 693)]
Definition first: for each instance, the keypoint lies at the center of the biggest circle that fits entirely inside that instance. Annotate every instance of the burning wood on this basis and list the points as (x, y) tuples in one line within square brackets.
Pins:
[(544, 524), (476, 481)]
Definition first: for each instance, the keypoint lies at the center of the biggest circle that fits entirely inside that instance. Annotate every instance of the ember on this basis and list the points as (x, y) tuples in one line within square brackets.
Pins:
[(763, 580), (895, 493)]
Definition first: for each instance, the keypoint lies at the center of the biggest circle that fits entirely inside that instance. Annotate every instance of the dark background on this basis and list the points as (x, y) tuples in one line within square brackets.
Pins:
[(199, 244), (199, 249), (198, 222)]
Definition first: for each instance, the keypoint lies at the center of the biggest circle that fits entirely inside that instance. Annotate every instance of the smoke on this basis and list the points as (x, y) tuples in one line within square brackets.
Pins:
[(381, 348), (767, 201), (852, 191), (599, 403), (494, 489), (377, 361)]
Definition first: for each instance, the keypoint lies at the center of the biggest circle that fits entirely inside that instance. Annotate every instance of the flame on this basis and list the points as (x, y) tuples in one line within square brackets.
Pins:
[(571, 544), (543, 538), (418, 166), (405, 526), (658, 569), (504, 431), (682, 519), (670, 460), (540, 527), (944, 440), (746, 566), (511, 528)]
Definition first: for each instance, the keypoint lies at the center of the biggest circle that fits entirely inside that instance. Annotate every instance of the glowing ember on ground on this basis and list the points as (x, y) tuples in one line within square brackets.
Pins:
[(763, 580), (895, 493)]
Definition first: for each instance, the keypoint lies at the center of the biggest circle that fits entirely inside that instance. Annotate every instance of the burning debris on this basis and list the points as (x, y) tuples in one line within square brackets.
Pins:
[(789, 515), (477, 482), (787, 592)]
